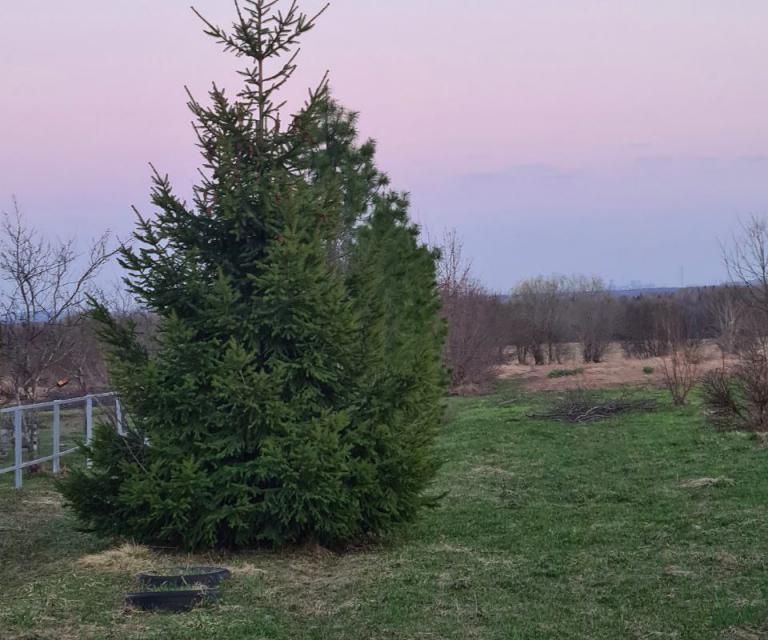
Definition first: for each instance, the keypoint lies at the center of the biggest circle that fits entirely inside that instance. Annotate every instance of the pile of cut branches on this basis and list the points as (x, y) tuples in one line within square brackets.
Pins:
[(577, 407)]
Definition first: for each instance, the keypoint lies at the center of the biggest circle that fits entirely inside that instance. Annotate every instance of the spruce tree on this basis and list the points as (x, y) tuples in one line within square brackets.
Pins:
[(391, 279), (401, 379), (292, 392)]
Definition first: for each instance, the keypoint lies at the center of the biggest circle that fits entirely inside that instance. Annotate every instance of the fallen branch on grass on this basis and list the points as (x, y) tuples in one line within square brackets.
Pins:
[(579, 407)]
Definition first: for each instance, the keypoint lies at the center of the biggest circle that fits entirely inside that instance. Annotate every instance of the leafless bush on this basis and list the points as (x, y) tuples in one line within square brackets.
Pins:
[(738, 399), (680, 369), (720, 394), (680, 366), (752, 372)]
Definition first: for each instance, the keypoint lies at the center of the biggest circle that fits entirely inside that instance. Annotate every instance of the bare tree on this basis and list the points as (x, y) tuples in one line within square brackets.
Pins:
[(126, 308), (727, 318), (593, 313), (475, 318), (519, 332), (454, 271), (746, 261), (639, 329), (738, 398), (540, 304), (45, 287)]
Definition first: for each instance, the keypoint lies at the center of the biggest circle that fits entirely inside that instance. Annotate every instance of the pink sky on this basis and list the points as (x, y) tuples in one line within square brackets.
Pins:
[(643, 124)]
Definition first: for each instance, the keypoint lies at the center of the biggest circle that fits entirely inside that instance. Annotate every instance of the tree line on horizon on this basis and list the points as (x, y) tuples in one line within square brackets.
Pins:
[(555, 319)]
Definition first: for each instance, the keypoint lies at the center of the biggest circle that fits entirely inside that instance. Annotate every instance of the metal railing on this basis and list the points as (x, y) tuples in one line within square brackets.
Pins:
[(55, 407)]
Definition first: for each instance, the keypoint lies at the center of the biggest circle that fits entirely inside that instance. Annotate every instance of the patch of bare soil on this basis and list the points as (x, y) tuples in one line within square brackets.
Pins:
[(615, 370)]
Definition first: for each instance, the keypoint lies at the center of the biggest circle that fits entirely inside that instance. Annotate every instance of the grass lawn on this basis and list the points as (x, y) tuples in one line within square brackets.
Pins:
[(548, 531)]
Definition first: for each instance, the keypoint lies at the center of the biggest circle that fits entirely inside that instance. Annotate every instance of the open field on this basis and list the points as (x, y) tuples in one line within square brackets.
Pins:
[(647, 526), (616, 370)]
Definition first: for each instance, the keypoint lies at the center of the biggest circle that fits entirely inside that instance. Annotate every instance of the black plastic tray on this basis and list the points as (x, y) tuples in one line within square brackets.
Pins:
[(171, 600), (207, 576)]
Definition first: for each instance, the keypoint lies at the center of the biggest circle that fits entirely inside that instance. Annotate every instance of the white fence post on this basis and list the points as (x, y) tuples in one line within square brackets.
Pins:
[(88, 423), (88, 419), (57, 436), (17, 458), (119, 417)]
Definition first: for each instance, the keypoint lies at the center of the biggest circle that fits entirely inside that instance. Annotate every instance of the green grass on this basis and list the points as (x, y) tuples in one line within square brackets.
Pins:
[(564, 373), (548, 531)]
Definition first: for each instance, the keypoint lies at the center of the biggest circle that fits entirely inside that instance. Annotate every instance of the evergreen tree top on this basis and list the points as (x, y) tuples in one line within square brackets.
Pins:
[(261, 33), (252, 164)]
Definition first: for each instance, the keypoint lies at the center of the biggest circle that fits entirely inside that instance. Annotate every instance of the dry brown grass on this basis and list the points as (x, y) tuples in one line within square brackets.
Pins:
[(309, 580), (127, 557), (700, 483), (746, 633), (248, 569), (616, 370)]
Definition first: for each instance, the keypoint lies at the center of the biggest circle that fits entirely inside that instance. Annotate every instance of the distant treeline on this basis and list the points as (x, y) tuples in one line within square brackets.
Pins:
[(556, 318)]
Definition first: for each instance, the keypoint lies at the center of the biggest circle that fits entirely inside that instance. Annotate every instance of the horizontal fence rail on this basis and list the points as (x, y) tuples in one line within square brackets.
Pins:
[(26, 435)]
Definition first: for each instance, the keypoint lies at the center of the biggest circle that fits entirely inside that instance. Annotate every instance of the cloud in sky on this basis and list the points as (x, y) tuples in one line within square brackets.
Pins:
[(621, 138)]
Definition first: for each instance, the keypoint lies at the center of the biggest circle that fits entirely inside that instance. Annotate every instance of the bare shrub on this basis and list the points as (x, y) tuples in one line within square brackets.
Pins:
[(752, 372), (720, 393), (738, 399), (681, 369), (680, 366)]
